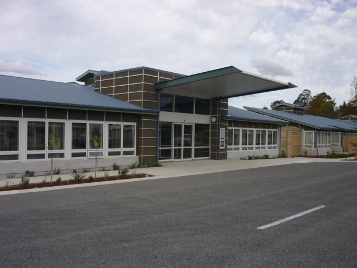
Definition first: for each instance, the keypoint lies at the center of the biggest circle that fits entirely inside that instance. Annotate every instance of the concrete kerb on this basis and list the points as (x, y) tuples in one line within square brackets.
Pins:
[(167, 170)]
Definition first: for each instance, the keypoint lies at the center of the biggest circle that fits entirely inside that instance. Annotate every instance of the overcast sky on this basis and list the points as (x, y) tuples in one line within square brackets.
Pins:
[(311, 44)]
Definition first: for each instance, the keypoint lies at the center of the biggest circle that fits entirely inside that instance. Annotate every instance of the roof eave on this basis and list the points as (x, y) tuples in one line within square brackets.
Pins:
[(196, 77), (88, 107), (226, 117)]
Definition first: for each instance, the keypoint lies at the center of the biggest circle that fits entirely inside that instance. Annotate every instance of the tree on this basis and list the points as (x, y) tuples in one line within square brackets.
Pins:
[(322, 105), (349, 108), (304, 98), (274, 103)]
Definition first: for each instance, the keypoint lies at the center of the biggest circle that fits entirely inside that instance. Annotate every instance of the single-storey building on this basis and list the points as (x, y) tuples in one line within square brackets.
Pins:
[(139, 115), (311, 135)]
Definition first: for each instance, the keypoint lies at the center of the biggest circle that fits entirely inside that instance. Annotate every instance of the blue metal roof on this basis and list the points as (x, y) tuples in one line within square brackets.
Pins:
[(47, 93), (244, 115), (317, 122)]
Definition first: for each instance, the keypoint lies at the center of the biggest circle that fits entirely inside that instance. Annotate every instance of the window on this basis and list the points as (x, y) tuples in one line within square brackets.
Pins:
[(9, 135), (201, 140), (247, 139), (55, 136), (114, 136), (202, 106), (95, 136), (230, 139), (36, 135), (9, 139), (336, 138), (166, 102), (95, 140), (79, 136), (233, 139), (272, 139), (128, 136), (323, 139), (309, 139), (183, 104)]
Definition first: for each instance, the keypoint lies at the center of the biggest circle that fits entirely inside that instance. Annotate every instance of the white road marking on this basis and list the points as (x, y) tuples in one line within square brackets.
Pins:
[(290, 218)]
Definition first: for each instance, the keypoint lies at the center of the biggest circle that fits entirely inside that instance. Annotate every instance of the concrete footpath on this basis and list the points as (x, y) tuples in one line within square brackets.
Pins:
[(169, 169)]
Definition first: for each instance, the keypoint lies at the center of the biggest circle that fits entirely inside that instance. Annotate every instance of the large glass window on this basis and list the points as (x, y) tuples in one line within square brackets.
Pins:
[(36, 135), (230, 138), (272, 139), (95, 136), (128, 136), (114, 131), (9, 135), (309, 139), (201, 135), (166, 102), (201, 140), (79, 136), (183, 104), (55, 136), (336, 139), (202, 106)]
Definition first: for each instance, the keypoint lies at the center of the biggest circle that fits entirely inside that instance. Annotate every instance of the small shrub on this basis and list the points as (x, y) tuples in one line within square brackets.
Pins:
[(87, 170), (134, 173), (48, 173), (11, 175), (124, 171), (266, 156), (57, 171), (29, 173), (25, 181), (134, 165), (91, 178), (59, 179), (78, 174), (115, 166), (156, 164), (106, 176), (6, 187), (44, 182)]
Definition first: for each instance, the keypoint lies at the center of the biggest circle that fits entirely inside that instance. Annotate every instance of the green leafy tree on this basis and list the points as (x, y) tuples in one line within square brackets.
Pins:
[(322, 105), (349, 108), (274, 103), (304, 98)]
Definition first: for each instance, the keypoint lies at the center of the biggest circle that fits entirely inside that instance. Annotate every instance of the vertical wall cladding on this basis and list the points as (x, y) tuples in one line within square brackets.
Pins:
[(219, 108), (147, 139), (137, 87)]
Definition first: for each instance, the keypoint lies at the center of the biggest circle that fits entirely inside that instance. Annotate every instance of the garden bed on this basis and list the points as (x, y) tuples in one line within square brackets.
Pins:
[(71, 182)]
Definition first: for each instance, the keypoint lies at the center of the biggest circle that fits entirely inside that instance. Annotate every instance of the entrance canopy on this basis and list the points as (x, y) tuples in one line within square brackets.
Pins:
[(221, 83)]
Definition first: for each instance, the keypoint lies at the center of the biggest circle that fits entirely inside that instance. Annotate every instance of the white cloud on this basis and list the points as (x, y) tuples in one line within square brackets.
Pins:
[(268, 68), (17, 68), (314, 40)]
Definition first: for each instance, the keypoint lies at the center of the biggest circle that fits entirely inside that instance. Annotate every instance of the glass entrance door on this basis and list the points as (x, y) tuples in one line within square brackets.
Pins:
[(182, 141)]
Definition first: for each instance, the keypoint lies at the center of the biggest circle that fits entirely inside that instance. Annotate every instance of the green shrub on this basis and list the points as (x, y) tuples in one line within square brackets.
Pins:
[(57, 171), (6, 187), (29, 173), (91, 178), (59, 179), (106, 176), (115, 166), (11, 175), (124, 171), (134, 165), (78, 174), (25, 181)]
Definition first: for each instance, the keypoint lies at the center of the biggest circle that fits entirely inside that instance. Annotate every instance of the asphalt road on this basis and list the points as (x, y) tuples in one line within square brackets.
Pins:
[(209, 220)]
